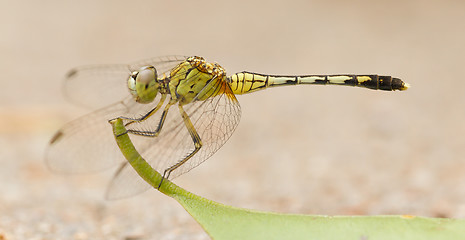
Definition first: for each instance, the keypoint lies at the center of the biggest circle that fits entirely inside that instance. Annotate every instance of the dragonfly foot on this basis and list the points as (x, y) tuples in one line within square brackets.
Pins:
[(161, 181), (121, 134), (166, 175)]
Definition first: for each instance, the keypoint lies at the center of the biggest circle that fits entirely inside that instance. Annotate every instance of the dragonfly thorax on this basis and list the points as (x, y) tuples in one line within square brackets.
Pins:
[(143, 84)]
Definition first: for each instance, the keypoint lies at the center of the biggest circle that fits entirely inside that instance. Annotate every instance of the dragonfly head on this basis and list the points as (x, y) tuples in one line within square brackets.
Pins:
[(143, 84)]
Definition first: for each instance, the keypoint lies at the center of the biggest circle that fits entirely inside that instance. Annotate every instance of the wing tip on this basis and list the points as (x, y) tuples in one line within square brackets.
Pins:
[(71, 73), (56, 137)]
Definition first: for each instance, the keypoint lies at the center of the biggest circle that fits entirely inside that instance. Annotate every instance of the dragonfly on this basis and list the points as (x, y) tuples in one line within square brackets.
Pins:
[(177, 110)]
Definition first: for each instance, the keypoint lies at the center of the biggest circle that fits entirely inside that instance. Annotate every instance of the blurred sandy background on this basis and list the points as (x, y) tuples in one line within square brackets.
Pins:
[(308, 149)]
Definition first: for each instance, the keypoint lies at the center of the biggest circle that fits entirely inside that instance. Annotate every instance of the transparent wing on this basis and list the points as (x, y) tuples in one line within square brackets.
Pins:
[(96, 86), (215, 119), (162, 64), (126, 182), (87, 144), (100, 85)]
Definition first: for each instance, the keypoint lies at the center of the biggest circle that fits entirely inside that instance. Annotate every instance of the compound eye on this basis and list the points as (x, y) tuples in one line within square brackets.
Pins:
[(146, 75), (132, 81), (143, 84)]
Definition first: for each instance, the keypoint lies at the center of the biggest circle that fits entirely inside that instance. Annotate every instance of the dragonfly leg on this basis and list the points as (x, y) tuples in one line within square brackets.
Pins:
[(147, 115), (160, 124), (195, 138)]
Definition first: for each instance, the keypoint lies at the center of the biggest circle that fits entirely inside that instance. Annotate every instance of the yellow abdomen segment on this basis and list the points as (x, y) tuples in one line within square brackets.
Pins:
[(246, 82)]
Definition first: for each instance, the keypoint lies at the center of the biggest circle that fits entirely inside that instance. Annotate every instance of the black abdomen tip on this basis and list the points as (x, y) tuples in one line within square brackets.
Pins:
[(398, 84), (389, 83)]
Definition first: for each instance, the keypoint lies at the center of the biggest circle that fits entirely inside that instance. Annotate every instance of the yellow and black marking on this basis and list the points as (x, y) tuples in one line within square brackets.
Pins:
[(193, 77), (246, 82)]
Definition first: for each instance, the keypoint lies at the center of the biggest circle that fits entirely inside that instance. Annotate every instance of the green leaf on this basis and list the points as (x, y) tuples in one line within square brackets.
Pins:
[(226, 222)]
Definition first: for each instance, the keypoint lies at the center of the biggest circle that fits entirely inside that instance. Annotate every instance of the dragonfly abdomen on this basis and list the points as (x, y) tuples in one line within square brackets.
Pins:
[(245, 82)]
